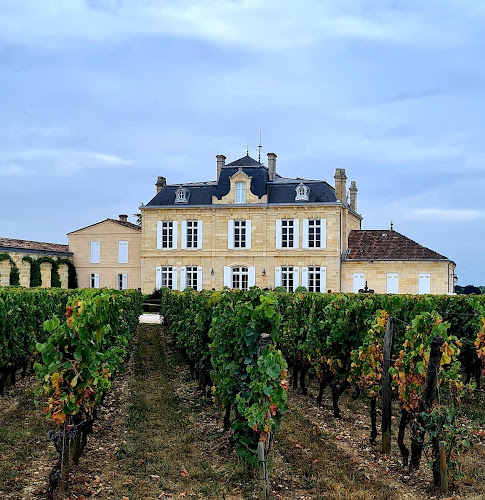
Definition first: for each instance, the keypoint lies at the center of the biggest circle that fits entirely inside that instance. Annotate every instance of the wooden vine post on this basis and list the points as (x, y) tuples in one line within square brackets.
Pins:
[(386, 386), (263, 446), (443, 468)]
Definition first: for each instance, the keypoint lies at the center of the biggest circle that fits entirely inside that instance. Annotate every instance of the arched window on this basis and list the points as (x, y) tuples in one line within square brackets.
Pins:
[(302, 192), (182, 195)]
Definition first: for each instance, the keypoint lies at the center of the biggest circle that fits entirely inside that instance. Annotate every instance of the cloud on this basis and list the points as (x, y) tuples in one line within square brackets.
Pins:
[(57, 161), (273, 24), (14, 170), (447, 214)]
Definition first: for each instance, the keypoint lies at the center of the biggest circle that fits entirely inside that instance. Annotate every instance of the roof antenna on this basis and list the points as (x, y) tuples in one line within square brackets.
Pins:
[(260, 147)]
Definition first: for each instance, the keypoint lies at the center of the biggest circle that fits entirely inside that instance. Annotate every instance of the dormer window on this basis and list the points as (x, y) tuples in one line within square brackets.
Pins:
[(240, 192), (182, 195), (302, 192)]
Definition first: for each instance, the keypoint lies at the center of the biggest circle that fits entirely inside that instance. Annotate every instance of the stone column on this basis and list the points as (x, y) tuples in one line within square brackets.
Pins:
[(24, 268), (45, 272), (64, 275), (5, 272)]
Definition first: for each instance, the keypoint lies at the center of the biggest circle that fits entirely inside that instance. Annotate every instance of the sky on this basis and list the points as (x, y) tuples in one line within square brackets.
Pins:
[(99, 97)]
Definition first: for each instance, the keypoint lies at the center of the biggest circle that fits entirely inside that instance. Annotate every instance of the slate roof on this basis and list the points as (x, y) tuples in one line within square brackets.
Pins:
[(281, 190), (387, 244), (130, 225), (9, 244)]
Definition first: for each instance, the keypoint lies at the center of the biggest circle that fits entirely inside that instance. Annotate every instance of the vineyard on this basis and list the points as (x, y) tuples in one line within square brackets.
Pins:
[(240, 344), (411, 360)]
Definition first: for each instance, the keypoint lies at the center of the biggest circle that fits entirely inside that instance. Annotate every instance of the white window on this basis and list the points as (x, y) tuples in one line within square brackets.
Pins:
[(182, 195), (424, 283), (122, 252), (94, 280), (302, 192), (314, 233), (358, 282), (166, 277), (392, 283), (287, 233), (94, 258), (122, 281), (239, 234), (239, 277), (240, 192), (314, 278), (287, 276), (191, 277), (166, 234), (191, 234)]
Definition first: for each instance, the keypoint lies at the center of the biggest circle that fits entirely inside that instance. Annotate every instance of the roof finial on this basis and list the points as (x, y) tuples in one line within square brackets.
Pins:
[(247, 149), (260, 147), (392, 226)]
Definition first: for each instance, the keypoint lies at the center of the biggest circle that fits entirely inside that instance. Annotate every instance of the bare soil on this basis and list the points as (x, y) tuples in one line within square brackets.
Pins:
[(157, 436)]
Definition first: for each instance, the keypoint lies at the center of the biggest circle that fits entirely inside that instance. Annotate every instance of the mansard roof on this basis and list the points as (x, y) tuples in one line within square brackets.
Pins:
[(281, 190), (387, 244)]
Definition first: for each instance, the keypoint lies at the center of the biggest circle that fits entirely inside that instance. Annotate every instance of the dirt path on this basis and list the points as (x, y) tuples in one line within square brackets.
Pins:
[(156, 437)]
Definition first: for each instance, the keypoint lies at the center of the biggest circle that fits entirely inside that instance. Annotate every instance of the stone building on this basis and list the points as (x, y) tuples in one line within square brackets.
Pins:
[(23, 252), (252, 226), (107, 254)]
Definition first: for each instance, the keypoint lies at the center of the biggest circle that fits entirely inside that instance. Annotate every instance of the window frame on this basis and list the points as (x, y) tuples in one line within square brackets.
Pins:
[(240, 192), (123, 251), (95, 252)]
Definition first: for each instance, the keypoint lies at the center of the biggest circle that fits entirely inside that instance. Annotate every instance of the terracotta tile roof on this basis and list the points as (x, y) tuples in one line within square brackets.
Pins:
[(130, 225), (33, 245), (387, 244), (126, 224)]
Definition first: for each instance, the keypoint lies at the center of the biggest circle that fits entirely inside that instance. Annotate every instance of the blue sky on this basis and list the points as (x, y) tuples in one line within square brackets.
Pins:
[(99, 97)]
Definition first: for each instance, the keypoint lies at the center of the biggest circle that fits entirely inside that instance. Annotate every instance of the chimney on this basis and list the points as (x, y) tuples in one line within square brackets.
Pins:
[(271, 166), (123, 218), (161, 181), (341, 185), (221, 162), (353, 196)]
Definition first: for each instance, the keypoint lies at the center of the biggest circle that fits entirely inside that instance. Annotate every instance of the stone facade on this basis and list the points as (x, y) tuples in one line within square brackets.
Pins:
[(107, 236), (18, 249), (441, 274), (254, 197)]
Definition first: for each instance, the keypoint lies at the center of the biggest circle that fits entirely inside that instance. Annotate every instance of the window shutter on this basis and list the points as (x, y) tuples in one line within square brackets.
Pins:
[(230, 235), (392, 283), (277, 276), (323, 233), (358, 282), (174, 278), (183, 235), (278, 233), (122, 252), (199, 234), (95, 251), (296, 239), (158, 278), (323, 279), (125, 281), (227, 276), (174, 235), (251, 276), (183, 276), (305, 237), (304, 276), (159, 236), (424, 283), (199, 275), (296, 277), (96, 280), (248, 234)]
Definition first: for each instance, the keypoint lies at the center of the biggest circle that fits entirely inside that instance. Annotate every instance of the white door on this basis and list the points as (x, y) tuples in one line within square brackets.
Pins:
[(424, 283), (358, 282)]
